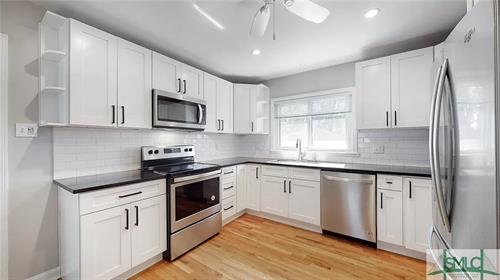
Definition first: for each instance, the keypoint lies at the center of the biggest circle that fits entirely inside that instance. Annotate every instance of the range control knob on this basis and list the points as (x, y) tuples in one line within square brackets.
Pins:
[(190, 149), (156, 152), (185, 150), (150, 152)]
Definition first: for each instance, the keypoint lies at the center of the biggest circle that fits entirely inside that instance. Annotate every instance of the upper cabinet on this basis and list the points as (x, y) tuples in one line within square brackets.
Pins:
[(395, 91), (176, 77), (93, 76), (252, 104), (134, 85), (219, 98)]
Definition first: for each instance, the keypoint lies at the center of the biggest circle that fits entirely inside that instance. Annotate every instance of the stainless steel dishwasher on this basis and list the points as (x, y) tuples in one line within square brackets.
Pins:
[(348, 204)]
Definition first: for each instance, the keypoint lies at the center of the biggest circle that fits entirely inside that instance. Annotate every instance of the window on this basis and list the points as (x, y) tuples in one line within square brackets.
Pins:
[(322, 121)]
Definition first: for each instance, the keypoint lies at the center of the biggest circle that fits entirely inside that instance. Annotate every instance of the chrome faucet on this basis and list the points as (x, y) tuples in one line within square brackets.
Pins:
[(298, 145)]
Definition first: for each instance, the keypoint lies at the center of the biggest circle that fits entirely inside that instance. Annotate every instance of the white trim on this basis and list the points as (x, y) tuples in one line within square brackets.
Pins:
[(347, 90), (52, 274), (4, 180)]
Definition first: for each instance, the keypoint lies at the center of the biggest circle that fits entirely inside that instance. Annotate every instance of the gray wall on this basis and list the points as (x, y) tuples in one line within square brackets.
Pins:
[(337, 76), (33, 245)]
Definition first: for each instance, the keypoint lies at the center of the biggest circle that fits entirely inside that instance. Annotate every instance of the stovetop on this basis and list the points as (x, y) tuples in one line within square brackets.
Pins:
[(183, 169)]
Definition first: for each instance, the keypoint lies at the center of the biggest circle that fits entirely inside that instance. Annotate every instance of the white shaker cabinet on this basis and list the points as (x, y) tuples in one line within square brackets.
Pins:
[(134, 85), (390, 216), (274, 197), (93, 76), (165, 73), (253, 186), (417, 212), (192, 81), (304, 201), (395, 91), (412, 79), (251, 102), (218, 95), (105, 243), (373, 93)]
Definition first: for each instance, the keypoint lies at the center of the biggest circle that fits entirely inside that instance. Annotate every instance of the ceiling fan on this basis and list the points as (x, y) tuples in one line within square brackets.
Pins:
[(305, 9)]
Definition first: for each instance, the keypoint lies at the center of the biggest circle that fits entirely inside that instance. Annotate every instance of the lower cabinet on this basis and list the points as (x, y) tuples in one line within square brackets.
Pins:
[(404, 211), (105, 243), (253, 187), (291, 198)]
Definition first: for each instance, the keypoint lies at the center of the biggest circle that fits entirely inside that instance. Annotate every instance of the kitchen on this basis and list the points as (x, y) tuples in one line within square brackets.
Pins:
[(135, 144)]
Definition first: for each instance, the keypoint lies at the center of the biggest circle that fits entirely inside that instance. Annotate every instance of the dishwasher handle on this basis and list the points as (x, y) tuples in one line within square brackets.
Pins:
[(348, 180)]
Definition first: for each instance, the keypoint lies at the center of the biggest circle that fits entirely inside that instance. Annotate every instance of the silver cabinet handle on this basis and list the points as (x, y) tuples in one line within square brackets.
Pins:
[(123, 114), (114, 113), (347, 180), (290, 186), (381, 200), (395, 118), (387, 118), (184, 81), (284, 186), (179, 85), (256, 173), (252, 126), (228, 188), (225, 209)]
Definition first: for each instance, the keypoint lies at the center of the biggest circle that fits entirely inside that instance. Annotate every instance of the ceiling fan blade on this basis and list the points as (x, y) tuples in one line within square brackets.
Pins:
[(307, 10), (260, 21)]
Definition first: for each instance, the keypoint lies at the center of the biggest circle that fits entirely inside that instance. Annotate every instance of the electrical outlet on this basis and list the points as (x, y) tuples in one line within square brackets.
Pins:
[(378, 149), (26, 129)]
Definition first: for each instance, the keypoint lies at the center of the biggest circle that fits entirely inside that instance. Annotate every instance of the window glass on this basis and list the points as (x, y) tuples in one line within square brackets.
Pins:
[(292, 129), (331, 132)]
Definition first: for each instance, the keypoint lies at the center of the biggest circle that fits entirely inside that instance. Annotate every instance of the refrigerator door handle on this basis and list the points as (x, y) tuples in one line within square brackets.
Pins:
[(435, 153)]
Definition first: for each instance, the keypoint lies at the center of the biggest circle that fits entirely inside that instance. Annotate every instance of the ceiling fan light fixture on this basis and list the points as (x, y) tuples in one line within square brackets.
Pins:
[(288, 3), (372, 13), (307, 10)]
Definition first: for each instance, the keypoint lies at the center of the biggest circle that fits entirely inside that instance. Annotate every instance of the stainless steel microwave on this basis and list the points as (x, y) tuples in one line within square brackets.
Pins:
[(174, 110)]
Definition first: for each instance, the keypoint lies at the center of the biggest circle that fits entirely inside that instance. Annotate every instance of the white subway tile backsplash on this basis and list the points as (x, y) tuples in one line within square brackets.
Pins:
[(88, 151)]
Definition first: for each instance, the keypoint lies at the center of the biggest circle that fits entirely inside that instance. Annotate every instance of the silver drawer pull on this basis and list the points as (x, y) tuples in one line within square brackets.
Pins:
[(228, 188), (225, 209), (130, 194)]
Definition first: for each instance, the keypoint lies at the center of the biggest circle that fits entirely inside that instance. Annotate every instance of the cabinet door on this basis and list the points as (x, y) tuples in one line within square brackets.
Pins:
[(225, 105), (274, 196), (165, 73), (259, 110), (418, 212), (241, 183), (373, 93), (210, 95), (105, 243), (93, 76), (390, 217), (252, 195), (242, 105), (412, 78), (304, 201), (134, 85), (192, 81), (148, 223)]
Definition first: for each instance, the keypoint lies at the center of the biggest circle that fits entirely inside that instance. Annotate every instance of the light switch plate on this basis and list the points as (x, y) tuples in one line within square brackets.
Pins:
[(26, 129), (378, 149)]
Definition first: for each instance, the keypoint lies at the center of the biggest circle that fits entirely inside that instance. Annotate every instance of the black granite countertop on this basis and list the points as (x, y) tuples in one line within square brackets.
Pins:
[(330, 166), (96, 182)]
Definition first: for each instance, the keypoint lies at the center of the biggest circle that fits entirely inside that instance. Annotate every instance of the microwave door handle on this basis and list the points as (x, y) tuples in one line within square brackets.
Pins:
[(200, 113)]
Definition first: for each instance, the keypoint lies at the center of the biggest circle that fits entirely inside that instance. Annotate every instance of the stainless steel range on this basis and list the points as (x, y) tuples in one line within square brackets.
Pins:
[(193, 196)]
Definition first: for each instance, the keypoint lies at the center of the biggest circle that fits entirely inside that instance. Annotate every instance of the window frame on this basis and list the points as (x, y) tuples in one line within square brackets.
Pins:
[(275, 123)]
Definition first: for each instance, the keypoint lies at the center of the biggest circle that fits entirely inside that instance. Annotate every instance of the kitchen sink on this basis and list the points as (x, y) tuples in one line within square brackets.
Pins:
[(310, 163)]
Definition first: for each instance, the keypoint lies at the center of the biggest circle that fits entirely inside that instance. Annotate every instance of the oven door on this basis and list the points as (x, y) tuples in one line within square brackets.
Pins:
[(193, 198), (172, 110)]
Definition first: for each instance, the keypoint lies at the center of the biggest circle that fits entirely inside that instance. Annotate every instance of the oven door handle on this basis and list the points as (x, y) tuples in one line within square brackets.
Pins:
[(196, 177)]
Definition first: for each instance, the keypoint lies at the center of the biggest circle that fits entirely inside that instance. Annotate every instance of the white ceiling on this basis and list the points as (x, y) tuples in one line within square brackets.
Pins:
[(176, 29)]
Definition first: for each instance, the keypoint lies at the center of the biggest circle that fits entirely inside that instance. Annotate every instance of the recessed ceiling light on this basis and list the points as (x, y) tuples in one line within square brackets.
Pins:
[(256, 52), (372, 13), (207, 16)]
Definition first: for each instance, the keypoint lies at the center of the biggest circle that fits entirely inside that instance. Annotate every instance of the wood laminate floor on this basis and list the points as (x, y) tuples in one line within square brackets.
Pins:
[(255, 248)]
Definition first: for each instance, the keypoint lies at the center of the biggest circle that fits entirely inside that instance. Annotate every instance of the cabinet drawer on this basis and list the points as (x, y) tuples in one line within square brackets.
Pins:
[(228, 172), (228, 187), (228, 207), (275, 171), (389, 182), (107, 198), (304, 174)]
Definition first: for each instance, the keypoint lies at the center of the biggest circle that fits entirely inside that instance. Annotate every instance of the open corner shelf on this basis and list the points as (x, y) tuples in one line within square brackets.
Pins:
[(53, 55), (53, 90)]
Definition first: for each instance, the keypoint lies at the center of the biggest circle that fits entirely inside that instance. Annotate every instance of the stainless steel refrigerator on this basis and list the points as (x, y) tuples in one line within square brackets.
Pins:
[(464, 137)]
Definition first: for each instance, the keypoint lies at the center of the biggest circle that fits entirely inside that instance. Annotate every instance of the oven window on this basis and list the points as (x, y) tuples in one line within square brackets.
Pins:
[(177, 110), (193, 198)]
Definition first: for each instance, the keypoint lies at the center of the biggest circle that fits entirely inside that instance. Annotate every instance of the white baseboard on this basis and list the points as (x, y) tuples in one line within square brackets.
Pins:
[(52, 274), (400, 250), (283, 220)]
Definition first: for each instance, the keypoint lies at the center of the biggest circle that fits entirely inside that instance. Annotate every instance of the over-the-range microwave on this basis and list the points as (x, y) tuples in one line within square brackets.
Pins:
[(176, 110)]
